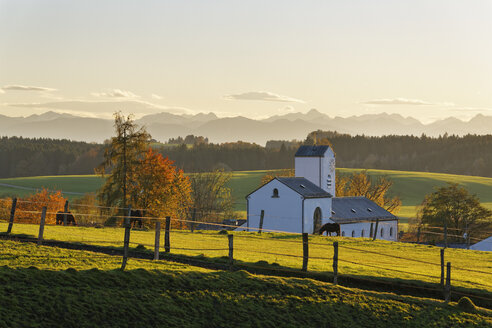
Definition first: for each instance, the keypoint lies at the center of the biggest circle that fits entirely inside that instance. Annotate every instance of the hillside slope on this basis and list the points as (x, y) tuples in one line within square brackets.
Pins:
[(410, 186), (50, 287)]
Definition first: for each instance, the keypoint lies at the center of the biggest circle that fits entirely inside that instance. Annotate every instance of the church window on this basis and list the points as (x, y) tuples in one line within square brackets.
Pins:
[(343, 233), (382, 232), (369, 209), (353, 211), (328, 181), (391, 231), (353, 233), (275, 193), (362, 233)]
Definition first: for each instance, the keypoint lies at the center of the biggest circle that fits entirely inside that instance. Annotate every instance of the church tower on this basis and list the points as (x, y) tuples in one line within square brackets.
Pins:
[(317, 164)]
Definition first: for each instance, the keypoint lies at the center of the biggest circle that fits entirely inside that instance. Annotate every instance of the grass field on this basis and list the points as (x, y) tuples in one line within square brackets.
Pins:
[(51, 287), (410, 186), (374, 259)]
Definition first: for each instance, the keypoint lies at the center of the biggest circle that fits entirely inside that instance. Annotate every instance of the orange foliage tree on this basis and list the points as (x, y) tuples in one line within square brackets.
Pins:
[(29, 208), (159, 187)]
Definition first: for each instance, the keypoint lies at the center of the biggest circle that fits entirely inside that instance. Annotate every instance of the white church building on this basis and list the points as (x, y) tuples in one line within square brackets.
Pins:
[(306, 202)]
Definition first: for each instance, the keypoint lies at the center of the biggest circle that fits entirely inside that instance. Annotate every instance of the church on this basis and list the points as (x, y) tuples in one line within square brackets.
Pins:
[(306, 202)]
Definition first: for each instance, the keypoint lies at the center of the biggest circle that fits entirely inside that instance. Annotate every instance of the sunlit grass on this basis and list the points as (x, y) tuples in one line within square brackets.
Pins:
[(50, 287), (248, 248)]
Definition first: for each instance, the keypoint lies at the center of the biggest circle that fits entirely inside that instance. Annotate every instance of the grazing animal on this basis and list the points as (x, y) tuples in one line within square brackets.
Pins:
[(136, 218), (329, 228), (60, 216)]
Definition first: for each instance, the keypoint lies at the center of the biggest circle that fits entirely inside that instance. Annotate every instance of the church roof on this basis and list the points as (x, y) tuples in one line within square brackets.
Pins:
[(353, 209), (304, 187), (311, 151)]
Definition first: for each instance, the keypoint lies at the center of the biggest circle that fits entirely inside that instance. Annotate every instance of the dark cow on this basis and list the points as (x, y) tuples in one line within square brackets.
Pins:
[(60, 216), (329, 228), (136, 219)]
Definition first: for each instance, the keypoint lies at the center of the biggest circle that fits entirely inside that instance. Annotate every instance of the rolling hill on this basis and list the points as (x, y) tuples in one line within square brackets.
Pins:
[(411, 187)]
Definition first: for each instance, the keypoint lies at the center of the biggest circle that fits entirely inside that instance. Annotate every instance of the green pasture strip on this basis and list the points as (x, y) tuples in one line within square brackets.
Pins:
[(369, 256), (410, 186), (51, 287)]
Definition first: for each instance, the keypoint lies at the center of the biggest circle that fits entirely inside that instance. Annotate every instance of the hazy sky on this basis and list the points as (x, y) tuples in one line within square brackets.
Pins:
[(428, 59)]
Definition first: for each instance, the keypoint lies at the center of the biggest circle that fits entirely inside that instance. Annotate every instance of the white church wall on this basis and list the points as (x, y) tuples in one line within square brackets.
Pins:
[(318, 170), (309, 168), (282, 213), (387, 230), (310, 205)]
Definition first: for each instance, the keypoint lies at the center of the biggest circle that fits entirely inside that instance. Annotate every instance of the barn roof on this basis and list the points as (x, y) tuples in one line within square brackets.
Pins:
[(311, 151), (304, 187), (354, 209)]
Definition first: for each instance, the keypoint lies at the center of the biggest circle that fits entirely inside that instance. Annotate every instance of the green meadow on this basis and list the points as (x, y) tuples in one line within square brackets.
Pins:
[(361, 257), (51, 287), (411, 187)]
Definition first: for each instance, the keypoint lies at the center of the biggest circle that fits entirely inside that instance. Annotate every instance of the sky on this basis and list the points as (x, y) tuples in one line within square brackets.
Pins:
[(429, 59)]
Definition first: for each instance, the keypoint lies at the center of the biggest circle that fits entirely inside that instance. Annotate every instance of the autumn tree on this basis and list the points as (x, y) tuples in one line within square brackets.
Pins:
[(121, 159), (160, 188), (361, 184), (453, 206), (29, 208), (211, 196)]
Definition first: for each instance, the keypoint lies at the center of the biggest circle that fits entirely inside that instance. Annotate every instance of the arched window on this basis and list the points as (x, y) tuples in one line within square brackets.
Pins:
[(275, 193), (343, 233), (382, 232), (353, 233), (391, 231), (362, 233), (317, 220)]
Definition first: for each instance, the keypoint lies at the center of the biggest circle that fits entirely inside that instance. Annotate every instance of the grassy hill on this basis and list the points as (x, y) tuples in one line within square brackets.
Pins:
[(418, 265), (52, 287), (410, 186)]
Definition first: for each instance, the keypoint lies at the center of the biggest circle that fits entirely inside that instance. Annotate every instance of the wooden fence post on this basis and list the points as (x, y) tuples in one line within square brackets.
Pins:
[(41, 226), (447, 288), (157, 239), (65, 213), (12, 215), (442, 267), (418, 235), (231, 249), (193, 219), (376, 230), (262, 215), (167, 243), (335, 262), (445, 234), (126, 240), (305, 251)]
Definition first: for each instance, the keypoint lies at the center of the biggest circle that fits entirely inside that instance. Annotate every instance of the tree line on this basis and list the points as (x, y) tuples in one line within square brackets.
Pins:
[(467, 155), (20, 157)]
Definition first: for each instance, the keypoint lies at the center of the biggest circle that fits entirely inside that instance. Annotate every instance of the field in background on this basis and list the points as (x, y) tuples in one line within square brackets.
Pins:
[(47, 286), (410, 186)]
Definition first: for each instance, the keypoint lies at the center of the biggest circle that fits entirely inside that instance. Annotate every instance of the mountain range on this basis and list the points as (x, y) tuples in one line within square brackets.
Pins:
[(163, 126)]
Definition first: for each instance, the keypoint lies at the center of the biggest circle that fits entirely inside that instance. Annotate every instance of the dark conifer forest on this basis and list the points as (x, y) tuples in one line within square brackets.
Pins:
[(468, 155)]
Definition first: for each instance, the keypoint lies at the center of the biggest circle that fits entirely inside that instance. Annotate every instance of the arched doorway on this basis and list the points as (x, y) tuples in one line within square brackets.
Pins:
[(316, 220)]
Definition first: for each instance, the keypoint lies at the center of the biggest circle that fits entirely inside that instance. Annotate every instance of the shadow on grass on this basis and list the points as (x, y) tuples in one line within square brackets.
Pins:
[(113, 298), (381, 284)]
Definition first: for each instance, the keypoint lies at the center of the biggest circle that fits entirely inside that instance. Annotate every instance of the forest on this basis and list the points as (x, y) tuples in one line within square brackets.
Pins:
[(467, 155)]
